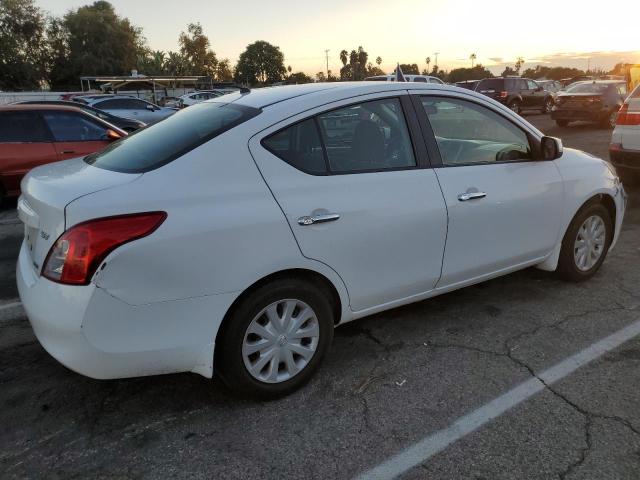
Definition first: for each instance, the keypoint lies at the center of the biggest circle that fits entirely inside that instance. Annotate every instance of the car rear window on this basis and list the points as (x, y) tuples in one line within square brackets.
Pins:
[(22, 126), (490, 84), (589, 88), (152, 147)]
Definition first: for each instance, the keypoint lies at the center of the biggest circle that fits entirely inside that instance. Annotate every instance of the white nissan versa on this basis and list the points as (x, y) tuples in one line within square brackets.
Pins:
[(233, 236)]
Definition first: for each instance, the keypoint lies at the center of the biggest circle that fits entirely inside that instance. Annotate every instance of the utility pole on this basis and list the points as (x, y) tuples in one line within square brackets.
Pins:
[(588, 64), (326, 54), (436, 55)]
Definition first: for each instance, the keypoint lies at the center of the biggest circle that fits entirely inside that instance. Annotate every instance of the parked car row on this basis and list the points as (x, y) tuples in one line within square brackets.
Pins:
[(33, 135)]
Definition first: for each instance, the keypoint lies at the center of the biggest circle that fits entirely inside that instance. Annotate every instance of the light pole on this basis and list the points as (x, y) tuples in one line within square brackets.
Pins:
[(326, 54), (436, 64)]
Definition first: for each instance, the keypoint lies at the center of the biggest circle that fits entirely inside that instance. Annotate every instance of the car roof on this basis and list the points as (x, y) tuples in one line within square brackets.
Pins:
[(39, 106), (322, 92)]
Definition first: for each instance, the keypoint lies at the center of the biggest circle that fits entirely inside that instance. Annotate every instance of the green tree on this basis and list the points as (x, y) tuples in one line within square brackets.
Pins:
[(518, 65), (508, 72), (223, 71), (176, 64), (23, 46), (476, 73), (473, 57), (357, 68), (298, 78), (98, 42), (409, 68), (196, 49), (260, 63), (427, 61), (378, 61)]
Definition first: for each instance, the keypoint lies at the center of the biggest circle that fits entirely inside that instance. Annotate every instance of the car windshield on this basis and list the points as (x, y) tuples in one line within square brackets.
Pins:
[(171, 138), (588, 88)]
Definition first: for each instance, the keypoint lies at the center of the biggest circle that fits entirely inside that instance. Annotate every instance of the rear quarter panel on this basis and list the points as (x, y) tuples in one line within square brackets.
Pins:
[(224, 231), (16, 159)]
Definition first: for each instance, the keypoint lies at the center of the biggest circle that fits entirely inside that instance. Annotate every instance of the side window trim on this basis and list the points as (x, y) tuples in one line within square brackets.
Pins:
[(432, 145), (421, 153)]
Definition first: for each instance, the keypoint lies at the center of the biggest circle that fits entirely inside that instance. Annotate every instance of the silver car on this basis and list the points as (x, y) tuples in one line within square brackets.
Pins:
[(128, 107)]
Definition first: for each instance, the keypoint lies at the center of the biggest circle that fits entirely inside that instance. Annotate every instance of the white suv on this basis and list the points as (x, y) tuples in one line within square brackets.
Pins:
[(233, 236), (624, 150)]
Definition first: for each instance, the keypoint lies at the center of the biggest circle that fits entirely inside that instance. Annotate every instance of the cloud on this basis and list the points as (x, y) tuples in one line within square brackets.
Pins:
[(496, 59)]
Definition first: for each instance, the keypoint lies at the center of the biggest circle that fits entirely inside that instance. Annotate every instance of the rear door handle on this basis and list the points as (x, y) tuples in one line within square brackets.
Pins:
[(312, 219), (68, 151), (464, 197)]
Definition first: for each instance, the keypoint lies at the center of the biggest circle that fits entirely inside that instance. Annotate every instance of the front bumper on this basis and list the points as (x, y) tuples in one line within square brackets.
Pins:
[(97, 335), (625, 159)]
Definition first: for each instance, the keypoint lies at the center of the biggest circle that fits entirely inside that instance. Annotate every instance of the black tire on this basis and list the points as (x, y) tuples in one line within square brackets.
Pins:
[(628, 177), (567, 268), (514, 106), (229, 363), (562, 123), (610, 120), (547, 106)]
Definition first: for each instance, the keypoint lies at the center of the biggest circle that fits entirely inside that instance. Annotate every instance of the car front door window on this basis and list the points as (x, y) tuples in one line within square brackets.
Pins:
[(468, 133), (73, 127)]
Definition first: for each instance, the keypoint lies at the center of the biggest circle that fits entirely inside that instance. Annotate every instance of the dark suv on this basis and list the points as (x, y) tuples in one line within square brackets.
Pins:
[(517, 93)]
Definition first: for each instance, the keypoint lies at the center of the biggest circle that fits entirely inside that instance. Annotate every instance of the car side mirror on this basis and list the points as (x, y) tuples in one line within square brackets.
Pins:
[(112, 135), (551, 148)]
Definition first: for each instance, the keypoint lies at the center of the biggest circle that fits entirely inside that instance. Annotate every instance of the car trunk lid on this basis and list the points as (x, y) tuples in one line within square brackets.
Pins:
[(579, 101), (47, 190)]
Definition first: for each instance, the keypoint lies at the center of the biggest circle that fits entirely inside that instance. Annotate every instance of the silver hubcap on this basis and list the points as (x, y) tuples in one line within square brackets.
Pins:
[(514, 107), (280, 341), (612, 119), (549, 105), (589, 243)]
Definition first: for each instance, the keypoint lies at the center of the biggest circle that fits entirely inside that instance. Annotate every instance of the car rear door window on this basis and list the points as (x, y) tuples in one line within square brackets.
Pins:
[(531, 85), (367, 136), (74, 127), (299, 145), (23, 127), (468, 133)]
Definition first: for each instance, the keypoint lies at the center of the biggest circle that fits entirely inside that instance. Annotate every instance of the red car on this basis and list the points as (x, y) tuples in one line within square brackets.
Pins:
[(32, 135)]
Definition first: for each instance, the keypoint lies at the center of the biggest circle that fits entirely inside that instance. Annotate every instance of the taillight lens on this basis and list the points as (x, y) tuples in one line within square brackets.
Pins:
[(625, 117), (504, 94), (76, 255)]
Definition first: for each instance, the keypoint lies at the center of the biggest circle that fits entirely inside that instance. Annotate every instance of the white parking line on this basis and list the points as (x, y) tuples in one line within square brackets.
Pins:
[(438, 441), (7, 306)]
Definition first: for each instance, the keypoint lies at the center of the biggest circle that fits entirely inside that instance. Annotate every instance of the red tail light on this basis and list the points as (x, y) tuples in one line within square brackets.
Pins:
[(625, 117), (76, 255), (504, 94)]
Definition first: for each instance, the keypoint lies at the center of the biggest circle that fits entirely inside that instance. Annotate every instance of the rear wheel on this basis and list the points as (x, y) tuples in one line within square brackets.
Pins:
[(548, 105), (274, 340), (514, 106), (562, 123), (585, 243)]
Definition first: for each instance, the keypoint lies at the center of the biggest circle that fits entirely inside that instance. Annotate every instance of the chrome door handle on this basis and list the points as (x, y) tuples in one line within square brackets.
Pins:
[(311, 219), (463, 197)]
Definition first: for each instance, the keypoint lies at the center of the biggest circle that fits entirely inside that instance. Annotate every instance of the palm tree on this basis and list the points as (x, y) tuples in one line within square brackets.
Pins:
[(519, 63), (428, 61), (473, 59), (379, 61), (343, 57)]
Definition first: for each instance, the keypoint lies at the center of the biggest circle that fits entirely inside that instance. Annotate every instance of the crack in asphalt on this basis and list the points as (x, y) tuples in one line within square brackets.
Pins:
[(508, 352)]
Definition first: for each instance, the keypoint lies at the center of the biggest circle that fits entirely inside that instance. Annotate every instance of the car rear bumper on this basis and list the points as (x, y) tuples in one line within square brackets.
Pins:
[(579, 115), (624, 159), (97, 335)]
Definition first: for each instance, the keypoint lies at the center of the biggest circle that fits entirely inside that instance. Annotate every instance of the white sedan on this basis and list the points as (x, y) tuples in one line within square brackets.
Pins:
[(232, 237)]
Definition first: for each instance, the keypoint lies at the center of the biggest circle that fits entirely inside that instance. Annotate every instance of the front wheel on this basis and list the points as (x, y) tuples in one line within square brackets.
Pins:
[(610, 120), (274, 340), (548, 105), (585, 243)]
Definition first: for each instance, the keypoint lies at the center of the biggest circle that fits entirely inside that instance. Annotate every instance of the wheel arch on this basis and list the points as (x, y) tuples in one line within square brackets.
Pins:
[(303, 274), (551, 263)]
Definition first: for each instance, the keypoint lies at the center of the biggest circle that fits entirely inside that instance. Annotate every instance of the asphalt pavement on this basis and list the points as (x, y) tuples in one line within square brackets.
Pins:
[(426, 390)]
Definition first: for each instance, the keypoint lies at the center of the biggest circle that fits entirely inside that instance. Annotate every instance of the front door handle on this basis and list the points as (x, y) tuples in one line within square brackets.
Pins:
[(68, 151), (312, 219), (464, 197)]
